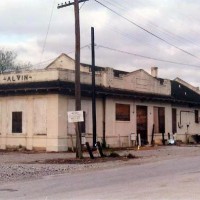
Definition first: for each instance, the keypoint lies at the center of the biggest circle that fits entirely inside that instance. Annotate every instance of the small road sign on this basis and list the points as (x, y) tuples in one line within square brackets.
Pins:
[(75, 116)]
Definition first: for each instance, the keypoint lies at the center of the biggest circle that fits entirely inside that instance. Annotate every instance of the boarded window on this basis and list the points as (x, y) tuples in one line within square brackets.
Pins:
[(196, 113), (40, 116), (159, 119), (16, 122), (122, 112)]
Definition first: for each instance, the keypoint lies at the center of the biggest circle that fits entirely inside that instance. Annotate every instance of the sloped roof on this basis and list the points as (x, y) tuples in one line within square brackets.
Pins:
[(183, 93), (195, 89), (60, 56)]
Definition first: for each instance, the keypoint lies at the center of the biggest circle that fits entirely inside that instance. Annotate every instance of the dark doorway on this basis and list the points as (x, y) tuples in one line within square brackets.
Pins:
[(142, 123), (174, 121)]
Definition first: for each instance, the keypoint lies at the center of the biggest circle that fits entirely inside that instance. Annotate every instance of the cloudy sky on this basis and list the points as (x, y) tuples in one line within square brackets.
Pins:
[(167, 30)]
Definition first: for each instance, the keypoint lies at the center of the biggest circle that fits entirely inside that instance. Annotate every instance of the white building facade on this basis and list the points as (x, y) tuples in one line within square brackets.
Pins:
[(34, 106)]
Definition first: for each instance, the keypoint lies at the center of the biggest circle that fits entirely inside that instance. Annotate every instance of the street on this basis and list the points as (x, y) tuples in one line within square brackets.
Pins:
[(173, 178)]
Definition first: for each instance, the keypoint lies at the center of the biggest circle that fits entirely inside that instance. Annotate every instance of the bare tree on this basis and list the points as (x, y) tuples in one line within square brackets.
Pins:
[(8, 62)]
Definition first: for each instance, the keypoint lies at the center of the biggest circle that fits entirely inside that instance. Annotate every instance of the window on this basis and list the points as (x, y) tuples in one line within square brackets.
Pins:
[(196, 113), (39, 116), (122, 112), (159, 119), (16, 122)]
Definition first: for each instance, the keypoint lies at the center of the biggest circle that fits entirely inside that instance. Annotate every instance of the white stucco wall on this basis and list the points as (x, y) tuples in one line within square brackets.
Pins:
[(29, 76), (86, 105), (118, 132), (65, 62), (39, 122), (45, 122), (186, 126), (138, 80)]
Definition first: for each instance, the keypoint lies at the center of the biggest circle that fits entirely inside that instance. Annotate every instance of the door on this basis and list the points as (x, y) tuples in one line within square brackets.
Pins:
[(142, 123), (174, 121)]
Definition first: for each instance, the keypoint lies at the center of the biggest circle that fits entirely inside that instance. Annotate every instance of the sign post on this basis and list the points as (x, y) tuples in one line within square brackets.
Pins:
[(76, 117)]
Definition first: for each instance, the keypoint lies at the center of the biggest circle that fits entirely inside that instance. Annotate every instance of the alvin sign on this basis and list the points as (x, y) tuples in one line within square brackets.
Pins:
[(16, 78)]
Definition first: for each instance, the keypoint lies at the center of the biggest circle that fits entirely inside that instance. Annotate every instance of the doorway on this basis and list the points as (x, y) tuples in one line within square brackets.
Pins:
[(174, 121), (142, 123)]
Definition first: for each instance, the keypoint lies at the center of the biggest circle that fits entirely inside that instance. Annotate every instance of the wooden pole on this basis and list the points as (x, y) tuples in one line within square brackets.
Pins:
[(77, 77)]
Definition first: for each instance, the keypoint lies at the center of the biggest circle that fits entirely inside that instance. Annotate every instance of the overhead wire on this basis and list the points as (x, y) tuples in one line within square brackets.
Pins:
[(159, 29), (146, 57), (48, 28), (170, 33), (147, 31), (82, 5), (40, 63)]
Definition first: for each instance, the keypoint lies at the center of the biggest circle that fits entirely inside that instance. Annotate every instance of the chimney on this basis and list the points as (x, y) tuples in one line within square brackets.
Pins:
[(154, 72)]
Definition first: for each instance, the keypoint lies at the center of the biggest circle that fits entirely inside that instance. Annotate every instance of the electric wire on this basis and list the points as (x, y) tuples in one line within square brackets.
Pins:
[(82, 5), (146, 57), (48, 28), (147, 31), (183, 17), (51, 59), (159, 28)]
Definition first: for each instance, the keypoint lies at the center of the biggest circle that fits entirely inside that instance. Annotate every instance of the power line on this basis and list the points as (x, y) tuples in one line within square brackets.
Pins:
[(159, 28), (45, 61), (149, 32), (147, 57), (82, 5), (48, 28)]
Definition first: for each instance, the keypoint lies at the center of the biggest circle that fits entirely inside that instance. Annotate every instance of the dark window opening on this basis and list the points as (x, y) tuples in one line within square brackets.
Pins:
[(159, 119), (122, 112), (161, 81), (196, 113), (17, 122)]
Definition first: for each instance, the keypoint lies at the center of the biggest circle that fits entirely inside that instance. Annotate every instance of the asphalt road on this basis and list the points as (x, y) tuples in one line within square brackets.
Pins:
[(176, 178)]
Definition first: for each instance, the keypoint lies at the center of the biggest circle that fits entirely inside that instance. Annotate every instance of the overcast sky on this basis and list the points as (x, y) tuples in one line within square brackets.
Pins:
[(172, 33)]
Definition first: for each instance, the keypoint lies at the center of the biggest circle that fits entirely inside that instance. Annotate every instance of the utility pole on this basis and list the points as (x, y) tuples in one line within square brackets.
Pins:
[(77, 70), (93, 88)]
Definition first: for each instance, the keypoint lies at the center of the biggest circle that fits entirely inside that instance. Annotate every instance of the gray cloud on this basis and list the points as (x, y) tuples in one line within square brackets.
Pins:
[(24, 26)]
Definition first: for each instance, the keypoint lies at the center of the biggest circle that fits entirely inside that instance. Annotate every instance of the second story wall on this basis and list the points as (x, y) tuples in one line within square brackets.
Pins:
[(139, 81)]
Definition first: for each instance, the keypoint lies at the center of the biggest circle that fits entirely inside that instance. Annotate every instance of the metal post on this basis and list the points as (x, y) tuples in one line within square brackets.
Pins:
[(93, 88)]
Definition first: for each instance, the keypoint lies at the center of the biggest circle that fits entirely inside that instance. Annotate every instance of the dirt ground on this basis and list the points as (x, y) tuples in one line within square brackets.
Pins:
[(123, 154), (28, 165)]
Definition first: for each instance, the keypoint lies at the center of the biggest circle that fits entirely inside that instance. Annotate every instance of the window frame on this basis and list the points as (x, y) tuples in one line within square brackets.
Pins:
[(120, 114), (17, 121)]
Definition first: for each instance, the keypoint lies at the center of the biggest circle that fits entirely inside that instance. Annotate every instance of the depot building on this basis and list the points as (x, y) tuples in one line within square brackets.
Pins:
[(34, 106)]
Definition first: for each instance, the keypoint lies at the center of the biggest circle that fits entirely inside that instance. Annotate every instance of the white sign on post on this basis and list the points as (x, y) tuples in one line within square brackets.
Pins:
[(75, 116)]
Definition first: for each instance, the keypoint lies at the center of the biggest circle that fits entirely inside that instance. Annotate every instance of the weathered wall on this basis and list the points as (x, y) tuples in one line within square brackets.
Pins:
[(65, 62), (86, 105), (39, 122), (29, 76), (138, 80), (118, 132), (186, 122)]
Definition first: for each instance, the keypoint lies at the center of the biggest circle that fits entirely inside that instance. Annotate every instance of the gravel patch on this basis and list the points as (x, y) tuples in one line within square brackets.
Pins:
[(16, 166)]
